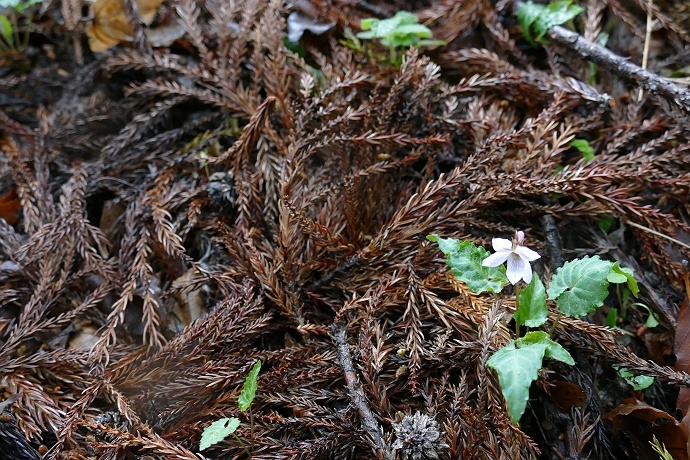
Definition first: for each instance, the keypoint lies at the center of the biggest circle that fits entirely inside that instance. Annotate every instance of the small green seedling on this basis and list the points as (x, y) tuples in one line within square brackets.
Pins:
[(612, 322), (660, 449), (637, 382), (585, 149), (538, 19), (224, 427), (10, 39), (602, 39), (401, 31), (612, 318), (203, 155), (652, 319), (605, 222)]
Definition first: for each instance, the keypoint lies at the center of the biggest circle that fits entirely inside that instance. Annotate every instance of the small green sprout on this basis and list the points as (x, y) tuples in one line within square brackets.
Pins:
[(538, 19), (10, 39), (602, 39), (660, 449), (224, 427), (401, 31), (203, 155), (652, 319), (18, 5), (585, 149), (612, 318), (637, 382), (605, 222)]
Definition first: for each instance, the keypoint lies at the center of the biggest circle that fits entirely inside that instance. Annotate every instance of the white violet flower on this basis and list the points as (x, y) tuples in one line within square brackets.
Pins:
[(517, 255)]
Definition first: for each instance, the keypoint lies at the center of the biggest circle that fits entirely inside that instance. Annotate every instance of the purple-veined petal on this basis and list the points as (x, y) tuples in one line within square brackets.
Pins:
[(501, 244), (496, 259), (527, 254), (517, 269)]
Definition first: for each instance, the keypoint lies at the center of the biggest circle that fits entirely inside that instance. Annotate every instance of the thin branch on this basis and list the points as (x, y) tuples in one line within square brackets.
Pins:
[(354, 388), (621, 67), (373, 9), (553, 240), (659, 234)]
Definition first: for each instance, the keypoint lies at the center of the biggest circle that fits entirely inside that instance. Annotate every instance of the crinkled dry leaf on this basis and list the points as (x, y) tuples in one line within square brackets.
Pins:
[(112, 24), (641, 422), (189, 304)]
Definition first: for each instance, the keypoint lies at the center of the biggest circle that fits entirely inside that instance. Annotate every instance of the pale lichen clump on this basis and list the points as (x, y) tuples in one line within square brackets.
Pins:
[(418, 437)]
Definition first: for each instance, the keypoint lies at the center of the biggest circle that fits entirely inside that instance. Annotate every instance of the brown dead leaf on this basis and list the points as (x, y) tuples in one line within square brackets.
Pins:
[(190, 304), (85, 339), (641, 422), (567, 395), (681, 347), (112, 25), (10, 206), (658, 344)]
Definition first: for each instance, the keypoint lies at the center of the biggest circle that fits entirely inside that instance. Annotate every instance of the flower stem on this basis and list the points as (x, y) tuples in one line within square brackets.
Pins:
[(518, 288), (251, 424), (244, 446), (555, 323)]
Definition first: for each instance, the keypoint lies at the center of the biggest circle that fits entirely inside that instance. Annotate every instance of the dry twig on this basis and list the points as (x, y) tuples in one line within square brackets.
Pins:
[(356, 392)]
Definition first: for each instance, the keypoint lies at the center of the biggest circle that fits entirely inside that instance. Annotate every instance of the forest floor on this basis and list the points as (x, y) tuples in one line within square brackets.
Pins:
[(184, 191)]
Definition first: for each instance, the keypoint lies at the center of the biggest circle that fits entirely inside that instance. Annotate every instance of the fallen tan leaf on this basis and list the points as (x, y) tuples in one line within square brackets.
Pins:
[(112, 25)]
